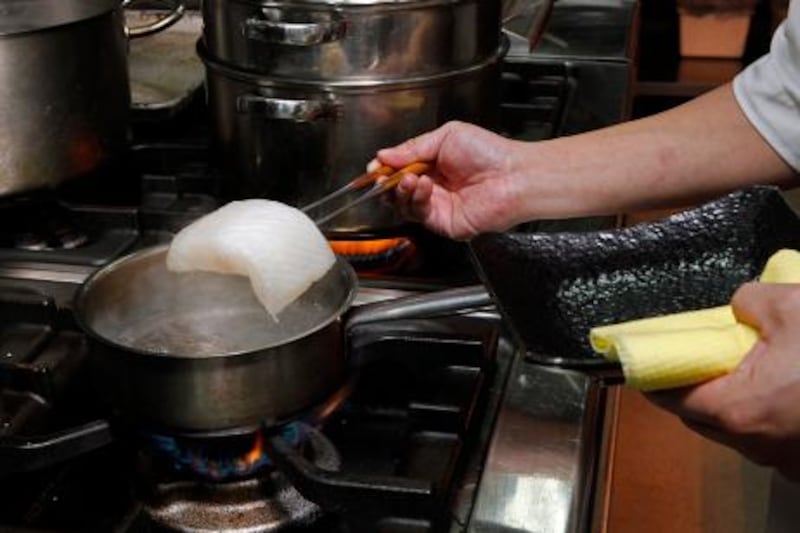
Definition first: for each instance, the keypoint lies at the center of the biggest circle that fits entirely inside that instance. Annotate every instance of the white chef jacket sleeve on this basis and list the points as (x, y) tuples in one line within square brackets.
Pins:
[(768, 91)]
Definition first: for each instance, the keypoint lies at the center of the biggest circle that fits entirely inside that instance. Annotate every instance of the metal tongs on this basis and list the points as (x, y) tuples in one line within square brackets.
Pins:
[(391, 178)]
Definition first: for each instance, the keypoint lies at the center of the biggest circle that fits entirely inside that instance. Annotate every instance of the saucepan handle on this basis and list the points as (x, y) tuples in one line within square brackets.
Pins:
[(439, 303), (176, 13), (28, 453)]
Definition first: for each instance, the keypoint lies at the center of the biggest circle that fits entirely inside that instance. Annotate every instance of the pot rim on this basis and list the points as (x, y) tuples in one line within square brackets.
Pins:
[(83, 292), (347, 84)]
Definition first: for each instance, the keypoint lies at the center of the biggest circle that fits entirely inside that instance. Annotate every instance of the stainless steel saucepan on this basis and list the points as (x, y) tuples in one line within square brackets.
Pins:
[(196, 352)]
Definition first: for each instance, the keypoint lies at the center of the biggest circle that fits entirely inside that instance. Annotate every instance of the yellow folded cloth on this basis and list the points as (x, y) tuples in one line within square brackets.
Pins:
[(686, 348)]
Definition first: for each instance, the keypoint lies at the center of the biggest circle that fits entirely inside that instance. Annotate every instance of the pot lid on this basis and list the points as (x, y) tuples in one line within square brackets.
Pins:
[(22, 16)]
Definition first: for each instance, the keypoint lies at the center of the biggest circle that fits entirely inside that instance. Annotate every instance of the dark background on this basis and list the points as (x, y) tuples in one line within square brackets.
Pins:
[(661, 84)]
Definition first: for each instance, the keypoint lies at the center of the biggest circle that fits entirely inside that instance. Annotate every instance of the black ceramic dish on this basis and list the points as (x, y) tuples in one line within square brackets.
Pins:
[(552, 288)]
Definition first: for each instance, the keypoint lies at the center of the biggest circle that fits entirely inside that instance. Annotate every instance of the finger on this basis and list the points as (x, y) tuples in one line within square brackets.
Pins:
[(720, 436), (683, 403), (709, 403), (752, 302), (421, 199), (403, 194), (699, 404), (423, 191), (760, 450), (425, 147), (373, 165), (764, 305), (669, 399), (407, 186), (691, 407)]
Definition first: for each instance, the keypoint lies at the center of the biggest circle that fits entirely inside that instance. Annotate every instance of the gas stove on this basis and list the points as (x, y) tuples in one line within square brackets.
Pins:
[(400, 449), (443, 427)]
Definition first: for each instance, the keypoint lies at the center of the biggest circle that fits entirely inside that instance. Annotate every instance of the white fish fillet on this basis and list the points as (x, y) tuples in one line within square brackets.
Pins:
[(277, 246)]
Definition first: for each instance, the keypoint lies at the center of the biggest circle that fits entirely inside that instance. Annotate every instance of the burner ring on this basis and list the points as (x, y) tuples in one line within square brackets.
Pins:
[(266, 503)]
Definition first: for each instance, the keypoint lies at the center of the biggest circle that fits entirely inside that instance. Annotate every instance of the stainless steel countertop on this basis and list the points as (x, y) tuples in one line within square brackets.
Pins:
[(539, 475)]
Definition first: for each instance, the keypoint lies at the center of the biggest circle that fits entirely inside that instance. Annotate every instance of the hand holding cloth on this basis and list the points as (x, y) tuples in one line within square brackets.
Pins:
[(686, 348)]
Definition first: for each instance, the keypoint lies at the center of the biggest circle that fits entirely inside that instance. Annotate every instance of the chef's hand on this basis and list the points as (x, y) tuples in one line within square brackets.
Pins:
[(471, 188), (756, 408)]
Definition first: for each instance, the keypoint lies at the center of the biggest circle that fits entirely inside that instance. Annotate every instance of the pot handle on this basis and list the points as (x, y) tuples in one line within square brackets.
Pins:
[(178, 9), (438, 303), (28, 453), (286, 108), (293, 33)]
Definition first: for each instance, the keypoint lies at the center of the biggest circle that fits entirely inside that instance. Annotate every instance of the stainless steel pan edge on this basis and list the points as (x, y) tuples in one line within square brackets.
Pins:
[(470, 298)]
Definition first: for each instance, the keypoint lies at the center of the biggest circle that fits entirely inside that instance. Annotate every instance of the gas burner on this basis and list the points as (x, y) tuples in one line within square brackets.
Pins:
[(239, 452), (265, 503), (378, 255), (221, 458)]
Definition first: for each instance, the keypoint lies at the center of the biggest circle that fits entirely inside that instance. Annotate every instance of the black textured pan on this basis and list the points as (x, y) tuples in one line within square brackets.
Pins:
[(552, 288)]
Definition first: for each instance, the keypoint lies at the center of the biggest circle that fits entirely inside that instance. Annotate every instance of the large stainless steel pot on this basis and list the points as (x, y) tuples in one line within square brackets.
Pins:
[(197, 352), (295, 141), (366, 39), (64, 89)]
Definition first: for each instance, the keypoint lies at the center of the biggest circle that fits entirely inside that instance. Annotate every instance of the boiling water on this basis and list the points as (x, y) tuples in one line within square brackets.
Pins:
[(218, 332), (204, 315)]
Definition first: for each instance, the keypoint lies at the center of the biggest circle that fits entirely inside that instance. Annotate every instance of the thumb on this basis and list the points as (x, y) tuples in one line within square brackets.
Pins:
[(714, 403), (766, 306)]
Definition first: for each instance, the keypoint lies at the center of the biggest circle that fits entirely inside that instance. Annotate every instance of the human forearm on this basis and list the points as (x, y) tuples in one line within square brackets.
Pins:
[(690, 153)]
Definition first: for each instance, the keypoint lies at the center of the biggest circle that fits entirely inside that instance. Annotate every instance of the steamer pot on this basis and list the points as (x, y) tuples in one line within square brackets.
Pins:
[(295, 141), (318, 40)]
